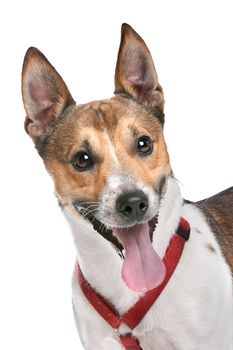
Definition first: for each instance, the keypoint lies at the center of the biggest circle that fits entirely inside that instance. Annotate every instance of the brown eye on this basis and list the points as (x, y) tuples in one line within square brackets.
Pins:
[(82, 161), (144, 146)]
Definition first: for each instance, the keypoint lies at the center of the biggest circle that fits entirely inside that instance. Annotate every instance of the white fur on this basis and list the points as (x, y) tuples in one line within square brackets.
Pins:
[(117, 184), (195, 310)]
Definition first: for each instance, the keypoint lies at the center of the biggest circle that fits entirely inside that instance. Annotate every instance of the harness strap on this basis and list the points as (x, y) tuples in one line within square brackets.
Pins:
[(129, 342), (137, 312), (104, 309)]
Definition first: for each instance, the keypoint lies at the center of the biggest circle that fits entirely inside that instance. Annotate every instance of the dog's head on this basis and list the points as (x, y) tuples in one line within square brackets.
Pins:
[(108, 158)]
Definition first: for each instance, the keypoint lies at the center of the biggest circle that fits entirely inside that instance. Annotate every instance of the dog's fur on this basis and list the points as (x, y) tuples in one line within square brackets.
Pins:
[(195, 311)]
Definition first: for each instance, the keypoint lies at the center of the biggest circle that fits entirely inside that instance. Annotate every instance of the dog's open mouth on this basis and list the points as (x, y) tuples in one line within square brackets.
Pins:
[(142, 268), (108, 233)]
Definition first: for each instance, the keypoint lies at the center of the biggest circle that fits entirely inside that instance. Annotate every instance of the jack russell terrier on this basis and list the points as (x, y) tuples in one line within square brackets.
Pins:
[(153, 271)]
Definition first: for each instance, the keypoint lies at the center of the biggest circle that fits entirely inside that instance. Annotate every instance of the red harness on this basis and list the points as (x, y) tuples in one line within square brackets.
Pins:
[(136, 313)]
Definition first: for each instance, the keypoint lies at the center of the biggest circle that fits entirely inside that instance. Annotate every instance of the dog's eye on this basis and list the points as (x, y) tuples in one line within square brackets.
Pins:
[(144, 146), (82, 161)]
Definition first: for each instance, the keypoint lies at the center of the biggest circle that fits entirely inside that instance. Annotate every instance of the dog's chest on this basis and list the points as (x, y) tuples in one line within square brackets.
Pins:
[(193, 309)]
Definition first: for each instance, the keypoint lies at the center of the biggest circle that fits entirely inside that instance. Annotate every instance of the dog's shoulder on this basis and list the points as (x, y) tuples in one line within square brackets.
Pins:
[(218, 211)]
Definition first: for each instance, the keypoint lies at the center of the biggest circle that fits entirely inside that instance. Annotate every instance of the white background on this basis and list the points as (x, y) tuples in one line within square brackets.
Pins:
[(191, 42)]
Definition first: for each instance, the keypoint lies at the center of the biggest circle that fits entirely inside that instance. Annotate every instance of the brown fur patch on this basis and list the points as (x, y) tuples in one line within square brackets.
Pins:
[(219, 213), (112, 123)]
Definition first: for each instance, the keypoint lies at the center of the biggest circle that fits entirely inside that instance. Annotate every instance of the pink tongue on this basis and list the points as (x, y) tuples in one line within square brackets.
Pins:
[(142, 269)]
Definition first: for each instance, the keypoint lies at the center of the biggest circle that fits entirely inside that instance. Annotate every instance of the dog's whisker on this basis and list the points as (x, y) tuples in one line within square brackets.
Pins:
[(93, 219), (103, 227), (88, 208), (83, 205), (88, 213), (88, 202)]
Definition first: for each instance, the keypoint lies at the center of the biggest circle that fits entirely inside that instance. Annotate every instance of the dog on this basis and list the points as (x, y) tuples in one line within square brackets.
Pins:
[(138, 241)]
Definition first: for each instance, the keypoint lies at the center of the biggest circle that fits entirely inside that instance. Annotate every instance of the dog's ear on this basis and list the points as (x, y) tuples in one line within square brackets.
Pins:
[(45, 95), (135, 72)]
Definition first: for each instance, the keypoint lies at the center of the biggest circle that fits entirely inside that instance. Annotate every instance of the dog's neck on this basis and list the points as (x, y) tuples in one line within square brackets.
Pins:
[(99, 261)]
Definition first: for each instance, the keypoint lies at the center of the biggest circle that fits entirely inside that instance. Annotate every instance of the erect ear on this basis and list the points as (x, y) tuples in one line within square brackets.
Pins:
[(135, 72), (45, 95)]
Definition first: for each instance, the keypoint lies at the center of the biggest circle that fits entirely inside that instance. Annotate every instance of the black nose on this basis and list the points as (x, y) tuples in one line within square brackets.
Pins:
[(132, 205)]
